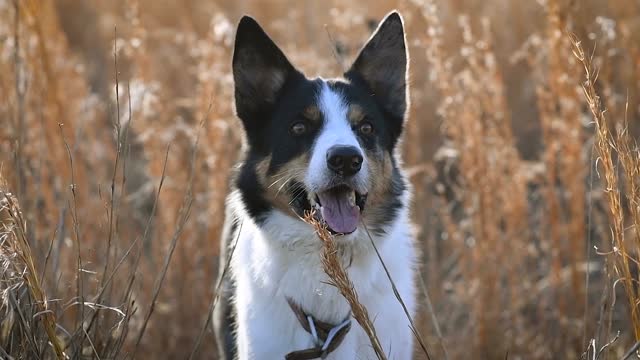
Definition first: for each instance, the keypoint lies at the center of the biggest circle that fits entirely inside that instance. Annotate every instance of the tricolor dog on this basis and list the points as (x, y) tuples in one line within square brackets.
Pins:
[(331, 145)]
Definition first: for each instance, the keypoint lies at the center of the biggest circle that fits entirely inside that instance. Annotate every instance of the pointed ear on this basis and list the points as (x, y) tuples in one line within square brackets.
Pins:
[(260, 69), (382, 65)]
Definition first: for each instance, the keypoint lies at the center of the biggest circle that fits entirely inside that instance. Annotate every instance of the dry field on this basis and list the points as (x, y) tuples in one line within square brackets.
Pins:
[(117, 134)]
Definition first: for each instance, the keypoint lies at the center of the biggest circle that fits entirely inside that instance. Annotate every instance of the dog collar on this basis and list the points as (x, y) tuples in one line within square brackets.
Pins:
[(327, 337)]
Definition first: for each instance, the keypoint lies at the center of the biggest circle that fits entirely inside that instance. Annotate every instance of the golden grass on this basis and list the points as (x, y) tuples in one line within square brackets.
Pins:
[(526, 209), (620, 148)]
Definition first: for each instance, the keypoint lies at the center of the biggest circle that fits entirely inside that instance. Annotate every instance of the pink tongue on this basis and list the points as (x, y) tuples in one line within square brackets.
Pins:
[(337, 213)]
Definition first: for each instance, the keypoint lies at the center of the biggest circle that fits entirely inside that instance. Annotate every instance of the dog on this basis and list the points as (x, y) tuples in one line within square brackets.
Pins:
[(331, 146)]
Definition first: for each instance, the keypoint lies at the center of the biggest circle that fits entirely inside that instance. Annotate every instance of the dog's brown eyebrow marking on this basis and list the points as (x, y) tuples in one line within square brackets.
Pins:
[(311, 112), (355, 114)]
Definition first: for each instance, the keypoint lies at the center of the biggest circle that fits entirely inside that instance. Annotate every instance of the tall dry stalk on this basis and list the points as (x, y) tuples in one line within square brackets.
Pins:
[(613, 150)]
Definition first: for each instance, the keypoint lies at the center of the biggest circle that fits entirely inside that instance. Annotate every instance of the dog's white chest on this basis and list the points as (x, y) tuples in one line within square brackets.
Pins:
[(268, 271)]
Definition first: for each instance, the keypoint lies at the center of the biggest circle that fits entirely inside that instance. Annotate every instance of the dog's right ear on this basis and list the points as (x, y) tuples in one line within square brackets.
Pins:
[(260, 70), (382, 64)]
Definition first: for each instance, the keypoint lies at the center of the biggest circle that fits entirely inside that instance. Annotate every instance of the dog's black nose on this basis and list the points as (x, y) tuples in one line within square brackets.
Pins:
[(344, 160)]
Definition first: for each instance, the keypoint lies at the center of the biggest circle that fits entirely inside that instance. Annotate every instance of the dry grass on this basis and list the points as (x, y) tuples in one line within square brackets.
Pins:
[(618, 156), (526, 190), (22, 282)]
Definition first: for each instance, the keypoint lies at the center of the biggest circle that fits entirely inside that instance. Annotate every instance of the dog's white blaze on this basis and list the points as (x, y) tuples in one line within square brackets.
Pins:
[(336, 130)]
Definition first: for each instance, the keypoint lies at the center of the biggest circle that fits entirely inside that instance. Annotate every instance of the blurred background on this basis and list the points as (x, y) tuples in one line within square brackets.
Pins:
[(117, 134)]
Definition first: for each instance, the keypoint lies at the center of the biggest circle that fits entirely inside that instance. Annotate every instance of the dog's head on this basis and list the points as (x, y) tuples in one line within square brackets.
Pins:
[(328, 144)]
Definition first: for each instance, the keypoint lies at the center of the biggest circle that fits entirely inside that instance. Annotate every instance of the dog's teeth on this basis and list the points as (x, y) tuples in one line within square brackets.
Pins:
[(352, 198)]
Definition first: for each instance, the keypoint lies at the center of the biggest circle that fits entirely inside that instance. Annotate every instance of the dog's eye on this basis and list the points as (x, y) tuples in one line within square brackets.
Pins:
[(366, 128), (298, 129)]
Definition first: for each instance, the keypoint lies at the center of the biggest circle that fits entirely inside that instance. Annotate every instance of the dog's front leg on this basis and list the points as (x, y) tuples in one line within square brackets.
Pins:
[(392, 327)]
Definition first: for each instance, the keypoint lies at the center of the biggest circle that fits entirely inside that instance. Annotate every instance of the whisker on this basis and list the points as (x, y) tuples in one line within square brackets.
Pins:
[(278, 180), (287, 173), (296, 194), (282, 186), (285, 183)]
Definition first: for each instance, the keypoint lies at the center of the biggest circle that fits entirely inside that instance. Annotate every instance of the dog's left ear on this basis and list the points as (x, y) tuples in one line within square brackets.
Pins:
[(382, 64)]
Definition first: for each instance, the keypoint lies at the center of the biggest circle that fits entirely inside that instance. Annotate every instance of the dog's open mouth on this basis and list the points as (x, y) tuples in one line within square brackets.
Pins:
[(340, 208)]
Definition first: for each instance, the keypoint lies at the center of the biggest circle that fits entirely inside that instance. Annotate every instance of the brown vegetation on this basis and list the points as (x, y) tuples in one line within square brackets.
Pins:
[(117, 134)]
